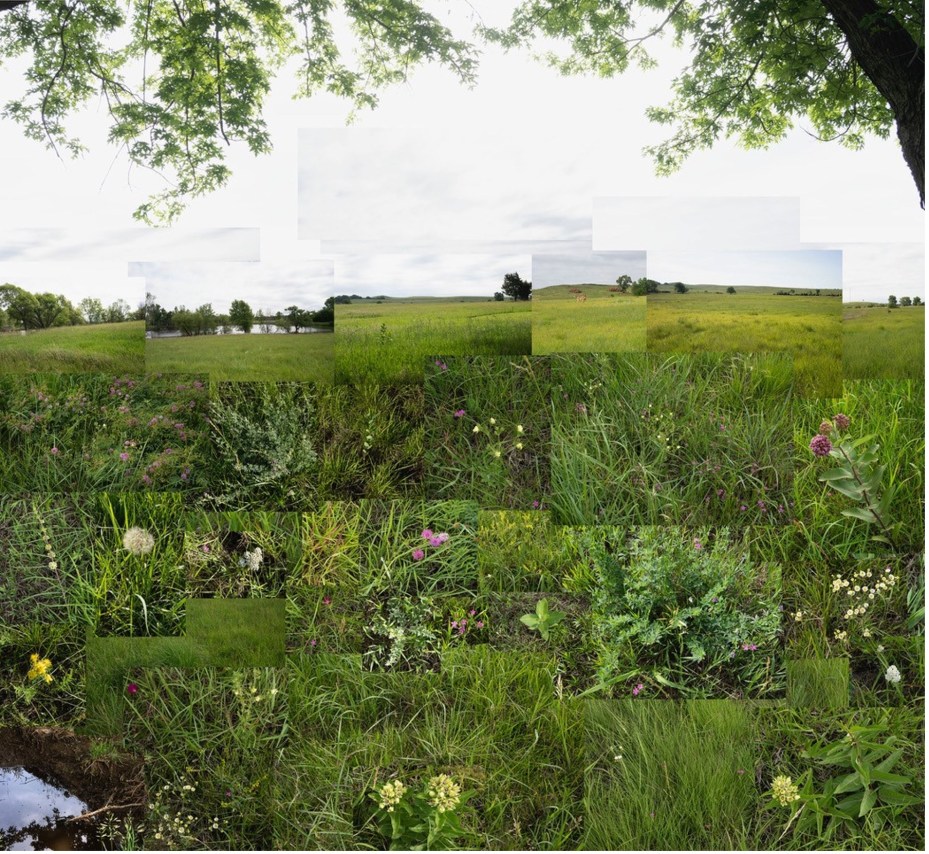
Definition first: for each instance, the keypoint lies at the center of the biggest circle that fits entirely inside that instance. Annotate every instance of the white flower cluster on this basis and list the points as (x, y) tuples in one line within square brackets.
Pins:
[(252, 559), (893, 675), (864, 589)]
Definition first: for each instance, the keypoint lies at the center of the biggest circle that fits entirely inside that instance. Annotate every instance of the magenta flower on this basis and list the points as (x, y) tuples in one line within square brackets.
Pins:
[(132, 688), (536, 505), (124, 456), (637, 690), (749, 647), (327, 600), (427, 533), (697, 544), (480, 624), (55, 452), (459, 413), (418, 554), (820, 445), (313, 643), (438, 539)]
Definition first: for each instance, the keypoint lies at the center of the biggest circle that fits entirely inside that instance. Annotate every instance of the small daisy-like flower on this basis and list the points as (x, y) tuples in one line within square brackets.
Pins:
[(820, 445), (519, 446), (497, 454), (892, 674), (798, 617), (138, 541), (476, 428), (519, 428), (493, 421), (784, 790)]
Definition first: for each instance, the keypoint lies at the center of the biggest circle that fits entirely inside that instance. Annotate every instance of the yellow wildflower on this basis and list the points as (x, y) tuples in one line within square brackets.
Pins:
[(40, 668)]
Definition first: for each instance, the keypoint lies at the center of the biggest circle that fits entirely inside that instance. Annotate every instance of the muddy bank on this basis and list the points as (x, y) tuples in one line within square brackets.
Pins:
[(112, 784)]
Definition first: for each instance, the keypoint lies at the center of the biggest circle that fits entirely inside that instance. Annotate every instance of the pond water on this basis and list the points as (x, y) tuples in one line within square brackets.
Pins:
[(255, 331), (33, 815)]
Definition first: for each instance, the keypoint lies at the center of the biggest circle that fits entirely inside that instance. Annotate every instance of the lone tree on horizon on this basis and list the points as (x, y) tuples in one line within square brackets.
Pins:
[(516, 287), (182, 82), (241, 315)]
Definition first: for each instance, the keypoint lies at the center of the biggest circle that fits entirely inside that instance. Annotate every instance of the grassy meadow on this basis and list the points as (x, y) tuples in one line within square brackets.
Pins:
[(305, 357), (754, 320), (606, 322), (389, 342), (882, 343), (105, 347)]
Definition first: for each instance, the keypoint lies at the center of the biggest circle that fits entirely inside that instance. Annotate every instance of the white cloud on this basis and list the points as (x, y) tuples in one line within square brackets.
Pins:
[(601, 268), (426, 275)]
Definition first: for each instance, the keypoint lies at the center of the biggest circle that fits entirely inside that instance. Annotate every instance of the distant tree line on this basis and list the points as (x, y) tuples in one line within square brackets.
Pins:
[(903, 302), (514, 287), (203, 320), (22, 309)]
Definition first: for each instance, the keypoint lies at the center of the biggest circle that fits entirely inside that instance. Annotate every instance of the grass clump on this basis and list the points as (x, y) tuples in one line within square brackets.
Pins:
[(757, 320), (879, 343), (685, 440), (391, 342), (818, 683), (604, 322), (107, 348), (307, 357), (100, 433), (487, 431), (669, 776)]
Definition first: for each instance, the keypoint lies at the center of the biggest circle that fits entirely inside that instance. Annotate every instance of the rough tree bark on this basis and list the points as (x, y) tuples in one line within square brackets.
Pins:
[(896, 65)]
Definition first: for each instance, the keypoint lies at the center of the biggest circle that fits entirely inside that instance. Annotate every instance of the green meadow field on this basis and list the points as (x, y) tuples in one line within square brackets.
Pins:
[(882, 343), (105, 347), (306, 357), (388, 342), (755, 320), (603, 323)]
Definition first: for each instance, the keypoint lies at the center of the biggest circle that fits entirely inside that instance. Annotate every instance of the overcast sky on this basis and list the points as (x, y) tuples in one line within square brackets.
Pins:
[(599, 268), (528, 161), (814, 268), (426, 275), (263, 285), (106, 281)]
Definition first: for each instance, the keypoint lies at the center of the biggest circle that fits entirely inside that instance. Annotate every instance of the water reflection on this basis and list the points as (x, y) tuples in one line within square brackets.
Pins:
[(33, 815)]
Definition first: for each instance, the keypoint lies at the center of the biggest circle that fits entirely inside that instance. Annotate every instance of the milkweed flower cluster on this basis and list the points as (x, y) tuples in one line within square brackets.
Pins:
[(444, 793), (390, 794), (40, 669), (784, 790), (820, 445), (138, 541)]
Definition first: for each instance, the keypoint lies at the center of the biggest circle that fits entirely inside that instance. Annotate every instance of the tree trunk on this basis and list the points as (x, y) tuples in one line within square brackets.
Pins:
[(896, 65)]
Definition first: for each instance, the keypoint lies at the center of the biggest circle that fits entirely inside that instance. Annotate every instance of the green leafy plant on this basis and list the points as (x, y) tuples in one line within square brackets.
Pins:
[(858, 475), (543, 620), (425, 820), (862, 783)]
